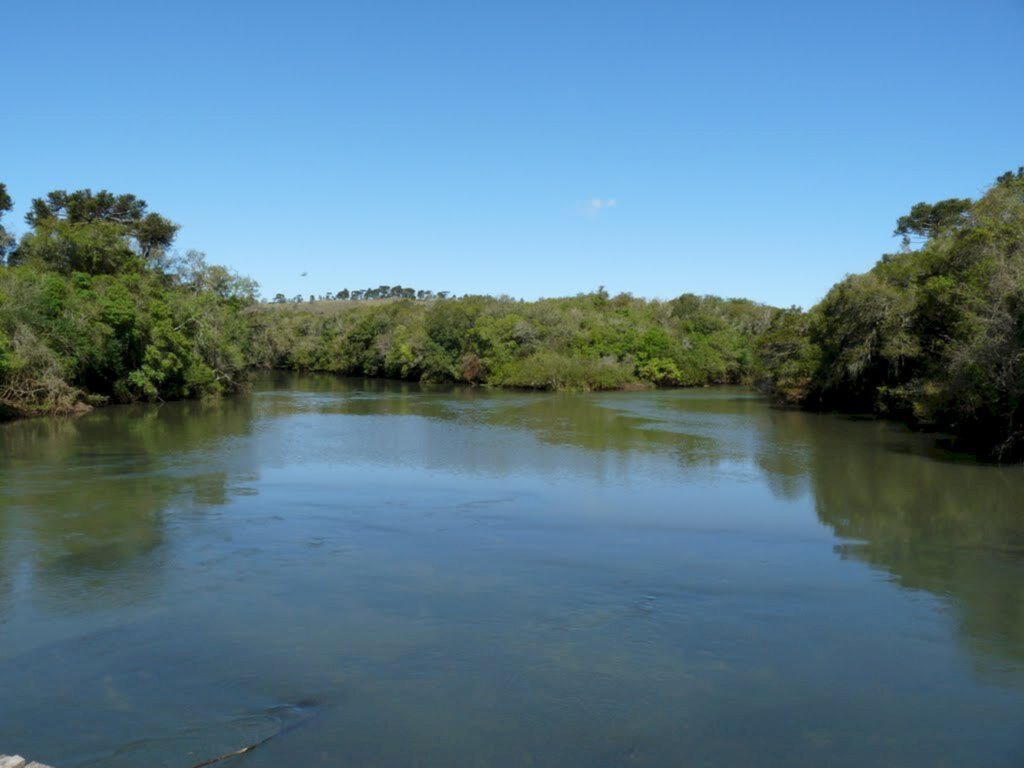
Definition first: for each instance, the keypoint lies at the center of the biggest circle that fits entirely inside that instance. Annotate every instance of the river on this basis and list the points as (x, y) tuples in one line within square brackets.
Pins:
[(379, 574)]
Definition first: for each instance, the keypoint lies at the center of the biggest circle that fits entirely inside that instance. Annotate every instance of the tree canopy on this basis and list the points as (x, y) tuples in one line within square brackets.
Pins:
[(93, 308), (96, 233), (933, 335), (927, 220)]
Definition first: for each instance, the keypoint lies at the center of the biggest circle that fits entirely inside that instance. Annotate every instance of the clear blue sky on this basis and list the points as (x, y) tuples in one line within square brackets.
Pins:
[(757, 149)]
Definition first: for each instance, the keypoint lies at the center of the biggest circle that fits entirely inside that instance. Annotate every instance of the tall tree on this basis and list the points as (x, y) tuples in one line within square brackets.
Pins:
[(926, 220), (935, 335), (98, 233)]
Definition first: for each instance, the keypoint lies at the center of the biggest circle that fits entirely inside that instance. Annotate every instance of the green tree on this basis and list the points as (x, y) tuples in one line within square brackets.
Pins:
[(92, 310), (926, 220), (787, 358), (96, 233), (933, 335), (6, 239)]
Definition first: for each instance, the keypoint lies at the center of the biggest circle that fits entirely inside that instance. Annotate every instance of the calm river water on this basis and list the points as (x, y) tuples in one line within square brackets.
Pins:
[(385, 575)]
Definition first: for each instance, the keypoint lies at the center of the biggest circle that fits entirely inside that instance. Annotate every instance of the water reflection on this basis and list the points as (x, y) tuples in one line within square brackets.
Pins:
[(508, 432), (82, 529), (460, 576), (953, 529)]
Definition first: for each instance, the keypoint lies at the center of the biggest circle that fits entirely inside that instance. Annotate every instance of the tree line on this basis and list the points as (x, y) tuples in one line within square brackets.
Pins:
[(95, 306), (366, 294), (587, 342)]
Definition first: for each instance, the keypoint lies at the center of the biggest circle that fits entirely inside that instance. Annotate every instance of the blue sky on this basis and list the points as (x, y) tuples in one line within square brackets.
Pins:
[(535, 149)]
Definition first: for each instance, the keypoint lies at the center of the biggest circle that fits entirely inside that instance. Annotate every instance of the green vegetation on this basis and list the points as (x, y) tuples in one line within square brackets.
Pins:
[(933, 335), (589, 342), (380, 292), (93, 308)]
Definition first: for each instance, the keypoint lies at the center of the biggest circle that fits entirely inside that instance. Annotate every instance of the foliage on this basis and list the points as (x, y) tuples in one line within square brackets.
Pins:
[(787, 358), (94, 307), (92, 310), (30, 377), (933, 335), (6, 238), (367, 294), (926, 220), (586, 342), (97, 233)]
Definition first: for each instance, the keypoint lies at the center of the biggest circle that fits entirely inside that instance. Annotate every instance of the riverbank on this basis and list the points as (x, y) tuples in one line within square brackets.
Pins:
[(931, 336)]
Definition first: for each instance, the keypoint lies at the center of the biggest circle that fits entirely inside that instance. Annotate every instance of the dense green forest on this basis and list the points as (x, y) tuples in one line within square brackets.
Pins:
[(588, 342), (95, 307), (933, 334)]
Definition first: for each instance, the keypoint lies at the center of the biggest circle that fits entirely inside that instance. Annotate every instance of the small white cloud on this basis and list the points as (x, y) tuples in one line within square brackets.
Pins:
[(597, 204)]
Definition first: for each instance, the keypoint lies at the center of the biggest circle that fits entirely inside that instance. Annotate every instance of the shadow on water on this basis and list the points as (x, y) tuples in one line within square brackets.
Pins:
[(931, 521), (81, 530)]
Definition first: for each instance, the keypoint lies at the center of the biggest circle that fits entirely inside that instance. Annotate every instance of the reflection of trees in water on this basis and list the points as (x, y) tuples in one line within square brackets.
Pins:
[(597, 425), (783, 451), (84, 499), (616, 423), (953, 529)]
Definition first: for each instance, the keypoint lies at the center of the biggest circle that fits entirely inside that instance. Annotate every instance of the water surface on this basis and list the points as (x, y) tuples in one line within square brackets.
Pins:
[(394, 576)]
